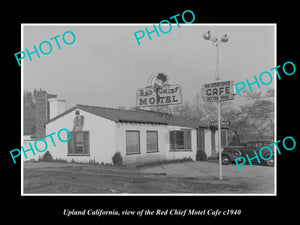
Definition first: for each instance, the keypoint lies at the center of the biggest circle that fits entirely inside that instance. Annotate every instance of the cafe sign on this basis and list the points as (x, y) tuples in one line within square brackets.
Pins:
[(159, 93), (219, 91)]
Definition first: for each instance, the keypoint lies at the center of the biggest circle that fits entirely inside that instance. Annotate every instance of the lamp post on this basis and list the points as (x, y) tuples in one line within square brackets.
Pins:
[(216, 43)]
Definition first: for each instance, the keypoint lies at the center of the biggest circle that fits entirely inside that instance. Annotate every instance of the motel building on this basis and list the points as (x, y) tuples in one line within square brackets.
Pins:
[(97, 133)]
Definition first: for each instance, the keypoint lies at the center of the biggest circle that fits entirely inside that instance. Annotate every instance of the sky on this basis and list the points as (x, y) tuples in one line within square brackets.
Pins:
[(105, 65)]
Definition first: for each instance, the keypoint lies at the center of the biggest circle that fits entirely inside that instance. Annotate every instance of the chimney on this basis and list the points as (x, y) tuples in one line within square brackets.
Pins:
[(40, 100), (56, 107)]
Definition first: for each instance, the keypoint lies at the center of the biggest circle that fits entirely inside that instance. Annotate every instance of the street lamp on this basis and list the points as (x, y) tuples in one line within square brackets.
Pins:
[(207, 36), (216, 42)]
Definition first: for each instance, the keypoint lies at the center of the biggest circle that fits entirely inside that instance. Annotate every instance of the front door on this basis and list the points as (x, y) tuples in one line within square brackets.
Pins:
[(213, 142)]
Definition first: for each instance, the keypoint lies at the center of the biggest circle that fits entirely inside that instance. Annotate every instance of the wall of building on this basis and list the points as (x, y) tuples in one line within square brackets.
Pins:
[(207, 140), (163, 143), (102, 137), (171, 155), (143, 156), (108, 137), (56, 107), (208, 137)]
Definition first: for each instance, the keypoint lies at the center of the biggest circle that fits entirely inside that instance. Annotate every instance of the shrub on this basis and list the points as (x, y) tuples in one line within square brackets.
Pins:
[(201, 155), (117, 159), (165, 161), (93, 162), (60, 160), (32, 161), (47, 157)]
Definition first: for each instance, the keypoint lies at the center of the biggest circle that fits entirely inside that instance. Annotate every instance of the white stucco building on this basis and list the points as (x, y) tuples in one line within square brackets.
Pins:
[(97, 133)]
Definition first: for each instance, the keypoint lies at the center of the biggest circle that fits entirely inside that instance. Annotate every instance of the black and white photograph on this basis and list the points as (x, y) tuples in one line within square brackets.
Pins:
[(169, 114), (143, 119)]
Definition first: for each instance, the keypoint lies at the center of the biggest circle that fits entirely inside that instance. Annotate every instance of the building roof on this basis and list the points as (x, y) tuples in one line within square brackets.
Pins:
[(134, 116)]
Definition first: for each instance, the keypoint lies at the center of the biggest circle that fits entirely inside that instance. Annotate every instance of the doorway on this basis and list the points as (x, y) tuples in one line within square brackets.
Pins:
[(213, 142)]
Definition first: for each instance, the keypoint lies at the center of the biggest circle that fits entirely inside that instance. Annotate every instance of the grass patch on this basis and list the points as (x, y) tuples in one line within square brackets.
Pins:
[(64, 178)]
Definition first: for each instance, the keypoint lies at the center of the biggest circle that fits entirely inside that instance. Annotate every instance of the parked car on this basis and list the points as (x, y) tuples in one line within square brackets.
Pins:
[(230, 153)]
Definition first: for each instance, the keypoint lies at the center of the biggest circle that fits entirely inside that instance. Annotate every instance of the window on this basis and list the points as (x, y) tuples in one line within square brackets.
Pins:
[(188, 140), (250, 145), (180, 140), (132, 142), (223, 138), (152, 141), (79, 143), (259, 144)]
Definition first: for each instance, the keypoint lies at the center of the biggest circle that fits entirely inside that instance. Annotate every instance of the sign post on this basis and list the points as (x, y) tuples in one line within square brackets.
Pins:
[(219, 138), (216, 42), (217, 92)]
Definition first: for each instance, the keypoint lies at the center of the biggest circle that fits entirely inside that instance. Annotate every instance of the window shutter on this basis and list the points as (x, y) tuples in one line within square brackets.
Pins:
[(71, 144), (86, 141)]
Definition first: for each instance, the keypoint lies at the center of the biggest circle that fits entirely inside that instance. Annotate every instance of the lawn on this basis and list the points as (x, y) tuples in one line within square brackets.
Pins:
[(46, 178)]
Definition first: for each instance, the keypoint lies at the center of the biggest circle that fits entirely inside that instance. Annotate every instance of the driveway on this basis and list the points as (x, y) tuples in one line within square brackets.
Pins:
[(257, 179)]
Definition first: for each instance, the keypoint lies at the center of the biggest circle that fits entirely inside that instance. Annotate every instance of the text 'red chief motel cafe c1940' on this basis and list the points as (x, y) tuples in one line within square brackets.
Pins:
[(139, 135)]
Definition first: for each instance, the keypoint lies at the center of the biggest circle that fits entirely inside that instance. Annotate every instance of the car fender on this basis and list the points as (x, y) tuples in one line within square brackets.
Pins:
[(233, 153), (230, 155)]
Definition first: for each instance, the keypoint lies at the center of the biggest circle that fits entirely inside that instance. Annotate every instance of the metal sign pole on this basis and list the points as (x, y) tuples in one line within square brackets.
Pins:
[(216, 43), (219, 129), (219, 114)]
